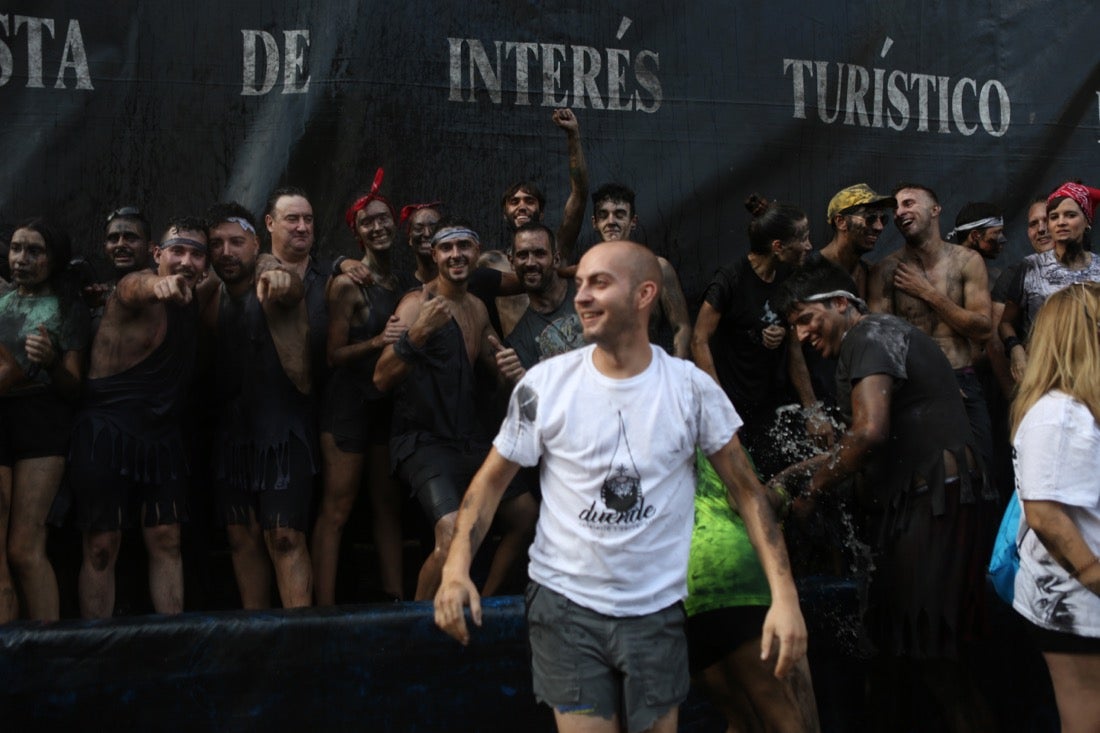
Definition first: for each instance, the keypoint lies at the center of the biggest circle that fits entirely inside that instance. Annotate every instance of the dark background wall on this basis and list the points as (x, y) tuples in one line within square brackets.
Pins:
[(174, 105)]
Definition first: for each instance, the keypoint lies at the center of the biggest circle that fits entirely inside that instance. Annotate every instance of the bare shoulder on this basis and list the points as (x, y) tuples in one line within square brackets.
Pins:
[(886, 266)]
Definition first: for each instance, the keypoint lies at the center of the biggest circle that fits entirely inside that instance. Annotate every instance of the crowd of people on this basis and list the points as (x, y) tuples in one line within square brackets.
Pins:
[(647, 451)]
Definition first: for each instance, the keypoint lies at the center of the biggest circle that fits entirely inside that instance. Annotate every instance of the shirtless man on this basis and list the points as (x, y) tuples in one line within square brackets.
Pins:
[(127, 242), (438, 443), (264, 445), (941, 289), (128, 460), (614, 218)]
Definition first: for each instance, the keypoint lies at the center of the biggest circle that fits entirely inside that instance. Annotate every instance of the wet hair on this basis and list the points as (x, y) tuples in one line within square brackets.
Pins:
[(917, 186), (526, 186), (815, 277), (613, 192), (59, 247), (771, 220), (137, 218), (278, 193), (223, 211), (537, 226), (186, 224), (1064, 353)]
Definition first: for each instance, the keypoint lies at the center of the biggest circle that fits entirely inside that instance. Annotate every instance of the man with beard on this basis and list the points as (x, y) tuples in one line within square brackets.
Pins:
[(126, 244), (438, 441), (614, 428), (128, 462), (980, 226), (550, 325), (264, 452), (614, 219), (941, 289)]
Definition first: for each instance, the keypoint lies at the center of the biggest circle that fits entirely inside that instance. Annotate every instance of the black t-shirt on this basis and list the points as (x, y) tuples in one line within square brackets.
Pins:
[(538, 336), (485, 284), (750, 374)]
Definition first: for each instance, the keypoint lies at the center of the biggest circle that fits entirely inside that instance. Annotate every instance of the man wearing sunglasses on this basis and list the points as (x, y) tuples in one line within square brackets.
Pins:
[(857, 215)]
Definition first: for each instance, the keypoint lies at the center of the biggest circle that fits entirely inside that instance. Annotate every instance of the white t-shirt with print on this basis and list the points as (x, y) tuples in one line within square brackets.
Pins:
[(617, 475), (1056, 454)]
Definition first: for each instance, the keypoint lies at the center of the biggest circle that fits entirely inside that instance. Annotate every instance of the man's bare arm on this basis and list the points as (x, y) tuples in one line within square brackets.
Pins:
[(675, 307), (706, 323), (784, 621), (391, 368), (870, 429), (456, 590), (970, 319), (573, 216)]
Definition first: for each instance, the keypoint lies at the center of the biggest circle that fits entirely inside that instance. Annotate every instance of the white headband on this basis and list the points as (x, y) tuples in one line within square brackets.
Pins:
[(991, 221), (243, 222), (448, 233), (859, 302)]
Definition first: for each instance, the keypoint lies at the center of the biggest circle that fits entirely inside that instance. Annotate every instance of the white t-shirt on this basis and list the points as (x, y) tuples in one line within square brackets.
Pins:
[(617, 475), (1057, 458)]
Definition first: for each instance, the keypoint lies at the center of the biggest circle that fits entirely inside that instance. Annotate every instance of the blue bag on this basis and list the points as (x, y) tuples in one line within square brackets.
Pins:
[(1006, 552)]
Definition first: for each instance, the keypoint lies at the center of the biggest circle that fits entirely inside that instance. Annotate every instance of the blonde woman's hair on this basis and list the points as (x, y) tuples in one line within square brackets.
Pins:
[(1064, 352)]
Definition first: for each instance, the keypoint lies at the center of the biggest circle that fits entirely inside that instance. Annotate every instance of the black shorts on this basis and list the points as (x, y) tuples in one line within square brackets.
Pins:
[(712, 635), (438, 475), (285, 507), (34, 426), (353, 418), (1061, 642)]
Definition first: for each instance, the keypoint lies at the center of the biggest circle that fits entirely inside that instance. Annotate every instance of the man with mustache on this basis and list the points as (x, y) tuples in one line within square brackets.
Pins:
[(941, 289), (128, 461), (127, 242), (438, 442), (614, 219), (265, 444)]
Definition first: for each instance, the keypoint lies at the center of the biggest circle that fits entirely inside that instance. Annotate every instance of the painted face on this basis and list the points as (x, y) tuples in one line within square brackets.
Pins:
[(29, 260), (422, 225), (605, 297), (865, 226), (291, 227), (374, 227), (915, 212), (182, 259), (233, 252), (794, 250), (1038, 232), (520, 208), (821, 325), (534, 261), (991, 242), (614, 220), (455, 258), (125, 246), (1067, 222)]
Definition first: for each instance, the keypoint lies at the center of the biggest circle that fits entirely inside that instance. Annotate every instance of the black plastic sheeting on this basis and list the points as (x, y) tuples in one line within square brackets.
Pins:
[(387, 668), (175, 105)]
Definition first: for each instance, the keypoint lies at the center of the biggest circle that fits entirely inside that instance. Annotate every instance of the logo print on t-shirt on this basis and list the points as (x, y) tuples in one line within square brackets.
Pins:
[(620, 492), (624, 504)]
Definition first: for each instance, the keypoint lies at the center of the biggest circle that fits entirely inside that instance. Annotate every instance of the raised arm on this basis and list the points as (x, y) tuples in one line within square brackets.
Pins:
[(456, 591), (573, 216), (142, 289), (784, 621)]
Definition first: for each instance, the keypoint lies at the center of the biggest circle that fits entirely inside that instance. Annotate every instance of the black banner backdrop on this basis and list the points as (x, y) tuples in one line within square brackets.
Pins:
[(172, 106)]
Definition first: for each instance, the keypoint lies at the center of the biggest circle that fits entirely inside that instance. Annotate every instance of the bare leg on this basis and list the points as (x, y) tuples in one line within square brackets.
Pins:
[(1076, 679), (9, 603), (786, 705), (293, 573), (342, 473), (251, 564), (574, 723), (96, 585), (34, 486), (386, 496), (518, 517), (431, 573), (724, 693), (165, 567)]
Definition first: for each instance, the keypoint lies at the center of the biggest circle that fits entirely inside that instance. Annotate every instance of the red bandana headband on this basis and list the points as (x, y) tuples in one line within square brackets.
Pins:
[(372, 195), (1086, 197), (410, 209)]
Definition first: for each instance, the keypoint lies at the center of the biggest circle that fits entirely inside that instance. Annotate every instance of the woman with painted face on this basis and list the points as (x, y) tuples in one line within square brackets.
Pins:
[(355, 423), (1070, 210), (739, 339), (1056, 442), (44, 332)]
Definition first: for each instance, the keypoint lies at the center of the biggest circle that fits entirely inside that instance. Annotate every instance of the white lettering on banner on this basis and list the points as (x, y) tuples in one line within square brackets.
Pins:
[(73, 55), (877, 98), (578, 76), (293, 55)]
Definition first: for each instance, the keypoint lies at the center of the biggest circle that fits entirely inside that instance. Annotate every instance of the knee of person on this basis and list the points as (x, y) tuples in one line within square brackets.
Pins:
[(23, 551), (99, 554), (163, 538), (285, 541)]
